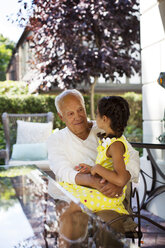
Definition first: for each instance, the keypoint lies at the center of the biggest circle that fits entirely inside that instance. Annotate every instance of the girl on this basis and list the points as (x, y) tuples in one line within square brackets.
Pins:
[(112, 116)]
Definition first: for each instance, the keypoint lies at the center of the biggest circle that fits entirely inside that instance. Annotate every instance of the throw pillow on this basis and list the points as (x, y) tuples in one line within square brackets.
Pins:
[(33, 132), (29, 152)]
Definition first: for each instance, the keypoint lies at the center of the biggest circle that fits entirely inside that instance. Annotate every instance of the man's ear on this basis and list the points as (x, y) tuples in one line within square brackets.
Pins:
[(60, 116)]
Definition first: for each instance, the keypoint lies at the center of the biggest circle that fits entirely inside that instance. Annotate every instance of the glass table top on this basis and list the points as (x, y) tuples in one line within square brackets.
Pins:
[(35, 211)]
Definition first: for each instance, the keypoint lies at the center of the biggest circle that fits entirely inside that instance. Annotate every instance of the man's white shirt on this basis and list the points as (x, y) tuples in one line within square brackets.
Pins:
[(66, 150)]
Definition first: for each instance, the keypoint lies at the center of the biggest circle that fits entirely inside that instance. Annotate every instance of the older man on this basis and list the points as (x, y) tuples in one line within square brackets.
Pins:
[(77, 143)]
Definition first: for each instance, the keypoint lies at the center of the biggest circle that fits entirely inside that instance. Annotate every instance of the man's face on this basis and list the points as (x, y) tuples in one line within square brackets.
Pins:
[(73, 114)]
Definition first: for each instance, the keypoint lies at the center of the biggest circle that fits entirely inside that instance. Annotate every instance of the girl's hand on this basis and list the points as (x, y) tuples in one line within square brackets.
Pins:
[(83, 168), (103, 180), (95, 169)]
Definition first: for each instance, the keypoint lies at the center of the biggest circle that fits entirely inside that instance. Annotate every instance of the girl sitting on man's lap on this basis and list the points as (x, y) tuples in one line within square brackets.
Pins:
[(111, 162)]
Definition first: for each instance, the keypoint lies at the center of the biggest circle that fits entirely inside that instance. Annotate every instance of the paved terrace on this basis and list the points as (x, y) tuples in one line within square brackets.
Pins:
[(153, 237)]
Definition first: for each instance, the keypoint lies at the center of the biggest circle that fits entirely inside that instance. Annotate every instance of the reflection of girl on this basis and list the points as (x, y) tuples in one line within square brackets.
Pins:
[(112, 116)]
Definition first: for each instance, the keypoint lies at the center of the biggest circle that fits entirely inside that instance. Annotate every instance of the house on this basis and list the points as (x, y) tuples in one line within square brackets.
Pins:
[(19, 70), (18, 66), (153, 62)]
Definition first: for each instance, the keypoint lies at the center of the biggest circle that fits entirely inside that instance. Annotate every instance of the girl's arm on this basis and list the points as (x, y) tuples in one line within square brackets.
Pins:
[(120, 176), (83, 168)]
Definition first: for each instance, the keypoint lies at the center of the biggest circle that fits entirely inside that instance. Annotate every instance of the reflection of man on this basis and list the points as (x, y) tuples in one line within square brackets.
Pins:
[(77, 143), (73, 229)]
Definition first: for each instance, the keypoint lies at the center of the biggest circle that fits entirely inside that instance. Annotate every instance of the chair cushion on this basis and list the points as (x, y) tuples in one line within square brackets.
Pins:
[(33, 132), (29, 152)]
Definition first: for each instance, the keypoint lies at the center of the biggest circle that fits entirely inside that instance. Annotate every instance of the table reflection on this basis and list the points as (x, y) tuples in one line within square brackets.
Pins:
[(30, 217)]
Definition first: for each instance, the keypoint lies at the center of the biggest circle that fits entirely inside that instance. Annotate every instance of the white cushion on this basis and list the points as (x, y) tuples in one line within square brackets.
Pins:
[(33, 132), (30, 152)]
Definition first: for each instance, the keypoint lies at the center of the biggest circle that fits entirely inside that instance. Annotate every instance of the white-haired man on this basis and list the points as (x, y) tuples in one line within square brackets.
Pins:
[(77, 143)]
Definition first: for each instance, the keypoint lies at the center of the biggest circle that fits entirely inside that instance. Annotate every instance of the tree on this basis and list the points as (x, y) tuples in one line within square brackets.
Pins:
[(6, 48), (76, 41)]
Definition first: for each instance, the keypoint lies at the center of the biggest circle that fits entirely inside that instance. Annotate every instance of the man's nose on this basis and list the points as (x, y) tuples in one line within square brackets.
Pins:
[(77, 115)]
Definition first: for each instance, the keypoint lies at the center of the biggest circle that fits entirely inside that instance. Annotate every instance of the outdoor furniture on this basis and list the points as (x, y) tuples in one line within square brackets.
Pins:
[(156, 172), (134, 212), (37, 222), (26, 136), (148, 195), (40, 225)]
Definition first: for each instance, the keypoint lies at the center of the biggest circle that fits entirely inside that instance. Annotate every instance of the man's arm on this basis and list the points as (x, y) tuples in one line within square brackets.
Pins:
[(106, 188), (59, 163), (133, 165)]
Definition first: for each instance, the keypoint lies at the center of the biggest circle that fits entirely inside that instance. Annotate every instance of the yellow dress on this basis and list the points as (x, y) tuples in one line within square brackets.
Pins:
[(92, 198)]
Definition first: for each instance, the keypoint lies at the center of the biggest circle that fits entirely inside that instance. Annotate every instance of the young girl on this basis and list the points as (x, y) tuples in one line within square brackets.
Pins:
[(112, 116)]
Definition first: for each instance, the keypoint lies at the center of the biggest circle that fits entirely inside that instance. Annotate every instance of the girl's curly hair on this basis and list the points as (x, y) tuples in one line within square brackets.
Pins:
[(116, 108)]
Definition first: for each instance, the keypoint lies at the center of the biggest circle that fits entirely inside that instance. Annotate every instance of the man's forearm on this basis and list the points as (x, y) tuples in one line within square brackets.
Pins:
[(85, 180), (106, 188)]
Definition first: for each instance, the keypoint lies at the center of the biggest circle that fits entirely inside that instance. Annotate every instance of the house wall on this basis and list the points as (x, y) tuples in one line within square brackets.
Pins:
[(152, 25), (19, 67)]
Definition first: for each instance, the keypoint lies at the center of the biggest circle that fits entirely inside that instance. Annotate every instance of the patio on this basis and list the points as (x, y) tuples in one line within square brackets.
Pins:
[(153, 237), (152, 52), (31, 204)]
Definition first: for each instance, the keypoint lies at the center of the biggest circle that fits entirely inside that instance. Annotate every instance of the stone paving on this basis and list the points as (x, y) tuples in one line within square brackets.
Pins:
[(153, 237)]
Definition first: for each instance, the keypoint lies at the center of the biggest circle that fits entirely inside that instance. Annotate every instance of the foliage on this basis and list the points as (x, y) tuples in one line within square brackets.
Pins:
[(45, 103), (29, 104), (2, 137), (76, 40), (7, 89), (7, 193), (6, 48), (10, 88), (133, 131), (135, 104)]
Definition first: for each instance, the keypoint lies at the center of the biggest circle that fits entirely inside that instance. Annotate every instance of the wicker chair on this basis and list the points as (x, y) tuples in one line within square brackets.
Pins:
[(10, 131)]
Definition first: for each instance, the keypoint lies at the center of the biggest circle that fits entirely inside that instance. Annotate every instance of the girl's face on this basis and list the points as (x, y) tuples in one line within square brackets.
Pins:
[(103, 122)]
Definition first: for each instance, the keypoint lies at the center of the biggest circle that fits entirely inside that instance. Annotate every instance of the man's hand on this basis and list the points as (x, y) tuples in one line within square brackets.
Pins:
[(96, 182), (111, 190), (106, 188)]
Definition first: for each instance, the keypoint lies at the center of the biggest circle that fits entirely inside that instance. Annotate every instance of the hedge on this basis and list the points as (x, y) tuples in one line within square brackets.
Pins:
[(12, 88), (45, 103)]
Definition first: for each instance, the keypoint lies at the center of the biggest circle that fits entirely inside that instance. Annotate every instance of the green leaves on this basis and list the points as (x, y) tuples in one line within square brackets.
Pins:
[(6, 47), (75, 40), (12, 88)]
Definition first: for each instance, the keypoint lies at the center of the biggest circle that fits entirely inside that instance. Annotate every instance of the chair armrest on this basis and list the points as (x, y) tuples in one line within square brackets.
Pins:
[(4, 154)]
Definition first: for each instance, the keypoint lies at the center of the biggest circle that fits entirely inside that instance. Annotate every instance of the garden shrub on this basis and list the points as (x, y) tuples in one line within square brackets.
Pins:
[(45, 103), (10, 88), (29, 104)]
